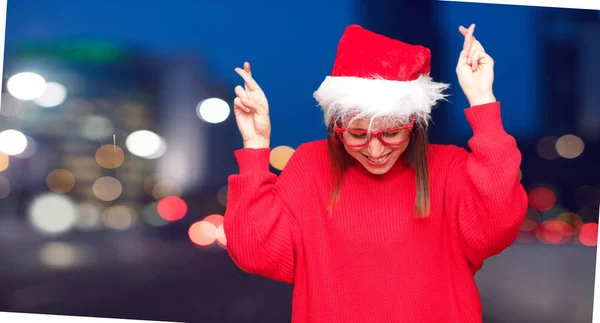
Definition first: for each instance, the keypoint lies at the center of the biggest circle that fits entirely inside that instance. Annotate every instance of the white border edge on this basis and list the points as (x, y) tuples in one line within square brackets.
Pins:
[(3, 4), (10, 317), (567, 4), (596, 305)]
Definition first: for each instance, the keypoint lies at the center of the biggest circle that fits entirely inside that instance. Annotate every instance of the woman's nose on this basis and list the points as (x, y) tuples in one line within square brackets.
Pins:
[(375, 148)]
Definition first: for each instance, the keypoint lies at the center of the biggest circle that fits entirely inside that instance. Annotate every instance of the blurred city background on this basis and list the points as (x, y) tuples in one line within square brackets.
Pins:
[(117, 137)]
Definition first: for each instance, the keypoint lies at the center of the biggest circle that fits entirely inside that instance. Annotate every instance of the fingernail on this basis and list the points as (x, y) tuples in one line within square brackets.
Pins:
[(245, 100)]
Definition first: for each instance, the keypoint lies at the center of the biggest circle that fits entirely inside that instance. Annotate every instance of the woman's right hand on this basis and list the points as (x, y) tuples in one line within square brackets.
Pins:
[(251, 110)]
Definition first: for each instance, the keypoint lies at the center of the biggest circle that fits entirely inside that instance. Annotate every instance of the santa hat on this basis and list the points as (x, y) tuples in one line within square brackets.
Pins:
[(378, 77)]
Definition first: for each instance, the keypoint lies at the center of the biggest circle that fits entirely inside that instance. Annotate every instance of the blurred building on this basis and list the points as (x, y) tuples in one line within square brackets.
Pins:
[(97, 94)]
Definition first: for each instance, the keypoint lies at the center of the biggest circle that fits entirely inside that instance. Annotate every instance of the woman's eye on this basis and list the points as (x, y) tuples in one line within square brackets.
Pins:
[(358, 135), (391, 134)]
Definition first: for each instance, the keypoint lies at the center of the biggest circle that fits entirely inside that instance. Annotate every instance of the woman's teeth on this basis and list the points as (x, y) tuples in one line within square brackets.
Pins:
[(378, 160)]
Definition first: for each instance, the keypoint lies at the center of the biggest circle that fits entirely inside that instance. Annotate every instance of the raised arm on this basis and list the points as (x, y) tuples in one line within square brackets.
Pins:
[(262, 237), (483, 191), (261, 231)]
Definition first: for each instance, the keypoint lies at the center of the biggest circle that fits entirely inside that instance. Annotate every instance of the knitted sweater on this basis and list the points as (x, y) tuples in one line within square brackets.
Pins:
[(373, 260)]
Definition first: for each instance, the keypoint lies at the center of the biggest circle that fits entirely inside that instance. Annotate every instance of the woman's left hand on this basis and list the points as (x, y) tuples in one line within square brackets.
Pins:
[(475, 70)]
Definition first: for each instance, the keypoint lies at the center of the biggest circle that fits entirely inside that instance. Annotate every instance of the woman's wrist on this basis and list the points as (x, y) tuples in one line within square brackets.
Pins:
[(257, 143), (481, 98)]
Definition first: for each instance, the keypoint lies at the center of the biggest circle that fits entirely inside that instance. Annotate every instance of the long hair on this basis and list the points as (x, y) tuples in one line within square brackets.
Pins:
[(415, 156)]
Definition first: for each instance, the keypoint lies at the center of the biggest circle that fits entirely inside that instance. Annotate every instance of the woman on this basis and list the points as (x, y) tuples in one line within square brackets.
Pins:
[(375, 224)]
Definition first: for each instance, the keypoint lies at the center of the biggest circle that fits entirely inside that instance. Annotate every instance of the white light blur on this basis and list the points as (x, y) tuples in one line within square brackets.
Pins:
[(12, 142), (54, 94), (145, 144), (30, 150), (213, 110), (26, 86), (220, 234), (53, 213), (162, 149)]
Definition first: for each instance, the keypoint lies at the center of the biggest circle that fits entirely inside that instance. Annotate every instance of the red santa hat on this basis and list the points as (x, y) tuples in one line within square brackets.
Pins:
[(378, 77)]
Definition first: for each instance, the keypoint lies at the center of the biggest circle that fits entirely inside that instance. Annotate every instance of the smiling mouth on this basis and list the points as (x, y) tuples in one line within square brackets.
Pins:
[(378, 160)]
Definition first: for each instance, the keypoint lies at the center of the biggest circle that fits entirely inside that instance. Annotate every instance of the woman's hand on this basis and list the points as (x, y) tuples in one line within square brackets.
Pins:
[(251, 110), (475, 70)]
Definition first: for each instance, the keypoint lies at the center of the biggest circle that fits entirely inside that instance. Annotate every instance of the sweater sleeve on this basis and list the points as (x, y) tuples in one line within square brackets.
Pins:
[(483, 193), (262, 235)]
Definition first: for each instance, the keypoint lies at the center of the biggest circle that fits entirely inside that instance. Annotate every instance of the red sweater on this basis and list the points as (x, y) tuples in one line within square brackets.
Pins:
[(373, 260)]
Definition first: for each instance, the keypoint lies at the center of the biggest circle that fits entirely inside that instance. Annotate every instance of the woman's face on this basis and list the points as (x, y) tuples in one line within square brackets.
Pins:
[(377, 157)]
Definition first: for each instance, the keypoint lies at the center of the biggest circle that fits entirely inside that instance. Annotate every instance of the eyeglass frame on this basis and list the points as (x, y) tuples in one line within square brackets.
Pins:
[(377, 134)]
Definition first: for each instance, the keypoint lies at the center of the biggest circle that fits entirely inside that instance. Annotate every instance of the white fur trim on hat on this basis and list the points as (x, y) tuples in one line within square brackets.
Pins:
[(397, 101)]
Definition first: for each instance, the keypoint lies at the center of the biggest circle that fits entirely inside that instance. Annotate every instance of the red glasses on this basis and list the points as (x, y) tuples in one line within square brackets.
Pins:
[(389, 137)]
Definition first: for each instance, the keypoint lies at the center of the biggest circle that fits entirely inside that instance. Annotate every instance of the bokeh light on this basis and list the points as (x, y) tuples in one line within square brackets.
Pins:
[(59, 255), (162, 149), (96, 128), (151, 216), (572, 219), (60, 181), (30, 150), (52, 213), (569, 146), (54, 95), (541, 198), (213, 110), (546, 148), (215, 219), (221, 238), (172, 208), (280, 156), (12, 142), (588, 235), (150, 182), (145, 144), (159, 186), (110, 156), (119, 217), (4, 187), (532, 219), (164, 188), (107, 188), (26, 86), (90, 216), (4, 162), (202, 233), (554, 232)]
